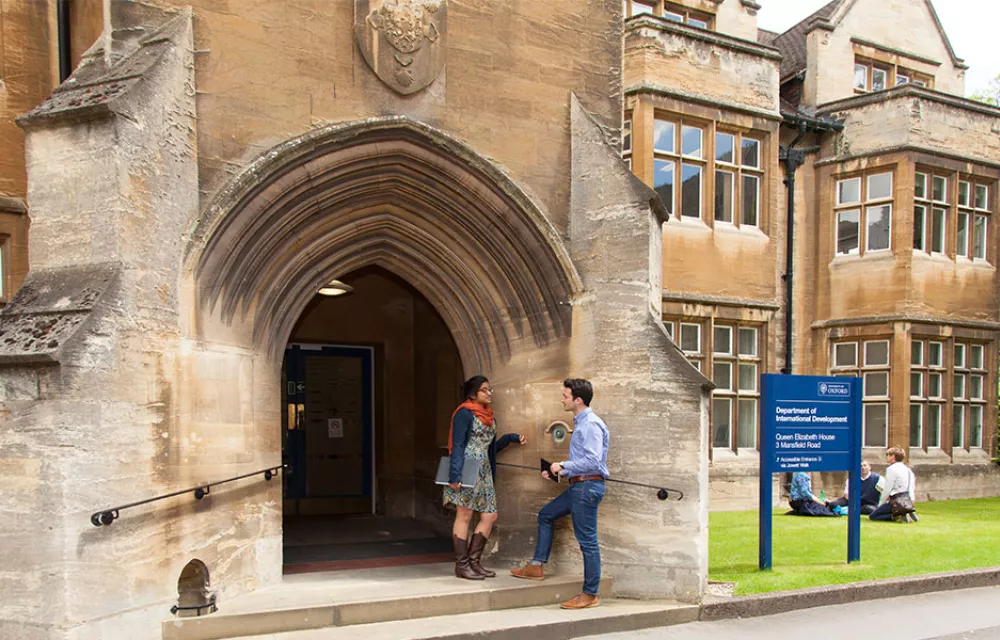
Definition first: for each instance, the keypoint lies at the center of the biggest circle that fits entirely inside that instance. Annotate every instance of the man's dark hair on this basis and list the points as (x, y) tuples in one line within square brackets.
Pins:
[(471, 386), (580, 388)]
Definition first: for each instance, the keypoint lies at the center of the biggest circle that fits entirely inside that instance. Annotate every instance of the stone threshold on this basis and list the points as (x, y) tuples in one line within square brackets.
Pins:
[(368, 596), (364, 563), (549, 622)]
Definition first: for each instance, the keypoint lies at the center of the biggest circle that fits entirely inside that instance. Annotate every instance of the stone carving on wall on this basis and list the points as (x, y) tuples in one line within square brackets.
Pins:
[(403, 41)]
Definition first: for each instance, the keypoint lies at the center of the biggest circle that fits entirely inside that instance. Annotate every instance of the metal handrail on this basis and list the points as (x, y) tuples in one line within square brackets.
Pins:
[(107, 516)]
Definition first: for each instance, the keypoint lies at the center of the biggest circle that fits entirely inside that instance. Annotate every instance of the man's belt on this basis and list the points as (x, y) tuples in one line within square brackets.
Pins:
[(575, 479)]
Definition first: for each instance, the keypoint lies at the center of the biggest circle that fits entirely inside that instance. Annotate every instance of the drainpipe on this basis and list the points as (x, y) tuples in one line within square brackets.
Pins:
[(62, 25), (792, 158)]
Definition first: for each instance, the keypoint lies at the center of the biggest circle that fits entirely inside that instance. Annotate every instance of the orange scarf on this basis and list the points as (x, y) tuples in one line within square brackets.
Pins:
[(485, 415)]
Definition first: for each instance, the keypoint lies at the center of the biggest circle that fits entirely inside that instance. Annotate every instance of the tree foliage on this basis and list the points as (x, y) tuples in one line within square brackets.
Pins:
[(990, 95)]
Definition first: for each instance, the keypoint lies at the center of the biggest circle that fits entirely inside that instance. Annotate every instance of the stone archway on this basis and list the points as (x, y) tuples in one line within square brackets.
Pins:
[(389, 194), (395, 193)]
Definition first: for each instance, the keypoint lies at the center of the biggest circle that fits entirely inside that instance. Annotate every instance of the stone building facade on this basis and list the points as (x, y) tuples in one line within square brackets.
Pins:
[(204, 171), (208, 166), (858, 109)]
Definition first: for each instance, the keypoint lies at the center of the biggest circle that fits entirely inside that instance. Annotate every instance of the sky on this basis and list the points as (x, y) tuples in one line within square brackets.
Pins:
[(973, 39)]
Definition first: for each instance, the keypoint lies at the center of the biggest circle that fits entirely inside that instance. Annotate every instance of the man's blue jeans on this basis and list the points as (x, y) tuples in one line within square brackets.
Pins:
[(581, 500)]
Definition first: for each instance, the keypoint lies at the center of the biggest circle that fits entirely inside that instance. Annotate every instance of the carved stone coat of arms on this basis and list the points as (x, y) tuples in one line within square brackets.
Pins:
[(403, 41)]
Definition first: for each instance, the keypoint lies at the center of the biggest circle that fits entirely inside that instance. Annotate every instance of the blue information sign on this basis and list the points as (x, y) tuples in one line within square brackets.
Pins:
[(810, 423)]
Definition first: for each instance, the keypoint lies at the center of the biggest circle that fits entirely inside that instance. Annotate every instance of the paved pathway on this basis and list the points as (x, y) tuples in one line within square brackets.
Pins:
[(972, 614)]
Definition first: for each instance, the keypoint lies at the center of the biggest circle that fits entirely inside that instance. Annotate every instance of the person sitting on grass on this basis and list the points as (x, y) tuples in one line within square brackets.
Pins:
[(871, 489), (899, 480), (801, 498)]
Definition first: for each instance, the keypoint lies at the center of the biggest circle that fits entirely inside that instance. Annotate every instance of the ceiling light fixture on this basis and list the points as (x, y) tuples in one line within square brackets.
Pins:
[(335, 288)]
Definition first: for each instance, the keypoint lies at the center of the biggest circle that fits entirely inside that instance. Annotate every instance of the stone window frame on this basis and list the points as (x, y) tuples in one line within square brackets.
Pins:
[(704, 359), (864, 366), (676, 327), (673, 11), (680, 158), (893, 75), (862, 206), (962, 195), (707, 162), (972, 399), (627, 140), (4, 269), (740, 171), (736, 395), (909, 76), (924, 434)]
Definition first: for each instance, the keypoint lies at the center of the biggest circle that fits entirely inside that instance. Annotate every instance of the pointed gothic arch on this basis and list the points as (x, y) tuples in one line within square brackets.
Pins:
[(395, 193)]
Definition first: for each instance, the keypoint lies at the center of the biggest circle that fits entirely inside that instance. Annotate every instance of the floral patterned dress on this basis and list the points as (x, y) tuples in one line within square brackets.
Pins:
[(482, 497)]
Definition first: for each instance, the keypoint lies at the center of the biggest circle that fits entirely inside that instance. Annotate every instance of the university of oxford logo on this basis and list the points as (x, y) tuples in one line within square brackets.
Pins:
[(403, 41)]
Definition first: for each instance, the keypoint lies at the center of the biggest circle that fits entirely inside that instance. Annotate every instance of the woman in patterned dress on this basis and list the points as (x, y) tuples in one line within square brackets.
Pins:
[(474, 435)]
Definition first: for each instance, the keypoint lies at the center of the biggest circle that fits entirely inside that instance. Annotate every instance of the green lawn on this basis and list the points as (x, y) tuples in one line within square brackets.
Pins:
[(809, 552)]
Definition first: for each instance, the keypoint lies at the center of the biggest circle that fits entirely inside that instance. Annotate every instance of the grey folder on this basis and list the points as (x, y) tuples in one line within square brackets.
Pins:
[(470, 471)]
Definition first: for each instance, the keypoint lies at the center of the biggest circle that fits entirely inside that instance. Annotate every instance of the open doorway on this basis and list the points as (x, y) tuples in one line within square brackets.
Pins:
[(369, 380)]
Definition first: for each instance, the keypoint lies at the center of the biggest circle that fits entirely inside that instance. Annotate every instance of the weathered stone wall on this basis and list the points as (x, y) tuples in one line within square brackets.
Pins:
[(97, 432), (185, 381), (912, 116), (971, 476), (736, 18), (702, 65), (906, 128), (886, 294), (653, 401), (936, 479), (267, 72), (714, 271), (734, 482), (901, 26), (896, 131)]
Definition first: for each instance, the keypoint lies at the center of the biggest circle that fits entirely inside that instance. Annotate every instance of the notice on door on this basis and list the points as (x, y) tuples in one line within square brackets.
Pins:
[(335, 427)]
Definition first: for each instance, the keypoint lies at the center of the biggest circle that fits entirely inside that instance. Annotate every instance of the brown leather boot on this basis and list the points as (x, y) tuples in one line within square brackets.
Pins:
[(476, 548), (462, 567)]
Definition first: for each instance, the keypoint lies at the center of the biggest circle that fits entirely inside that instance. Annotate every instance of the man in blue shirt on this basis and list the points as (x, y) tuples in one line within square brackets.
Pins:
[(587, 469)]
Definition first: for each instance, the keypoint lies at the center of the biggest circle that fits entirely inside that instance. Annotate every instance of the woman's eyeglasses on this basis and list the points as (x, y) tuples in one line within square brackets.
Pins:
[(486, 390)]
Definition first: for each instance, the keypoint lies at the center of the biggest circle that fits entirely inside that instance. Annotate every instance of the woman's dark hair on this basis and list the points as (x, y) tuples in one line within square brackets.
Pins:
[(471, 386), (580, 388)]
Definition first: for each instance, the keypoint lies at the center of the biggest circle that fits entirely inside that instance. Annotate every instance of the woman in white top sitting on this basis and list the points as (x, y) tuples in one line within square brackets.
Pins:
[(899, 479)]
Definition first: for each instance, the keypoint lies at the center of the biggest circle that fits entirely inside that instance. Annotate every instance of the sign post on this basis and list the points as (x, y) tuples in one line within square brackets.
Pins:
[(810, 423)]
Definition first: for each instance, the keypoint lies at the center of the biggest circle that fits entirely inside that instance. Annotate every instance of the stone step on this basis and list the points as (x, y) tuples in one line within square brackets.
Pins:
[(549, 622), (362, 597)]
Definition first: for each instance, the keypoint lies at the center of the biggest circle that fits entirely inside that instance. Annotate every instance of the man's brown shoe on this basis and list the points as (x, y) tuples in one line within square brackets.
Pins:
[(529, 571), (582, 601)]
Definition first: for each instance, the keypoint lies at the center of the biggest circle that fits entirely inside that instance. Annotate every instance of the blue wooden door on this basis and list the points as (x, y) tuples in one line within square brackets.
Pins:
[(328, 430)]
